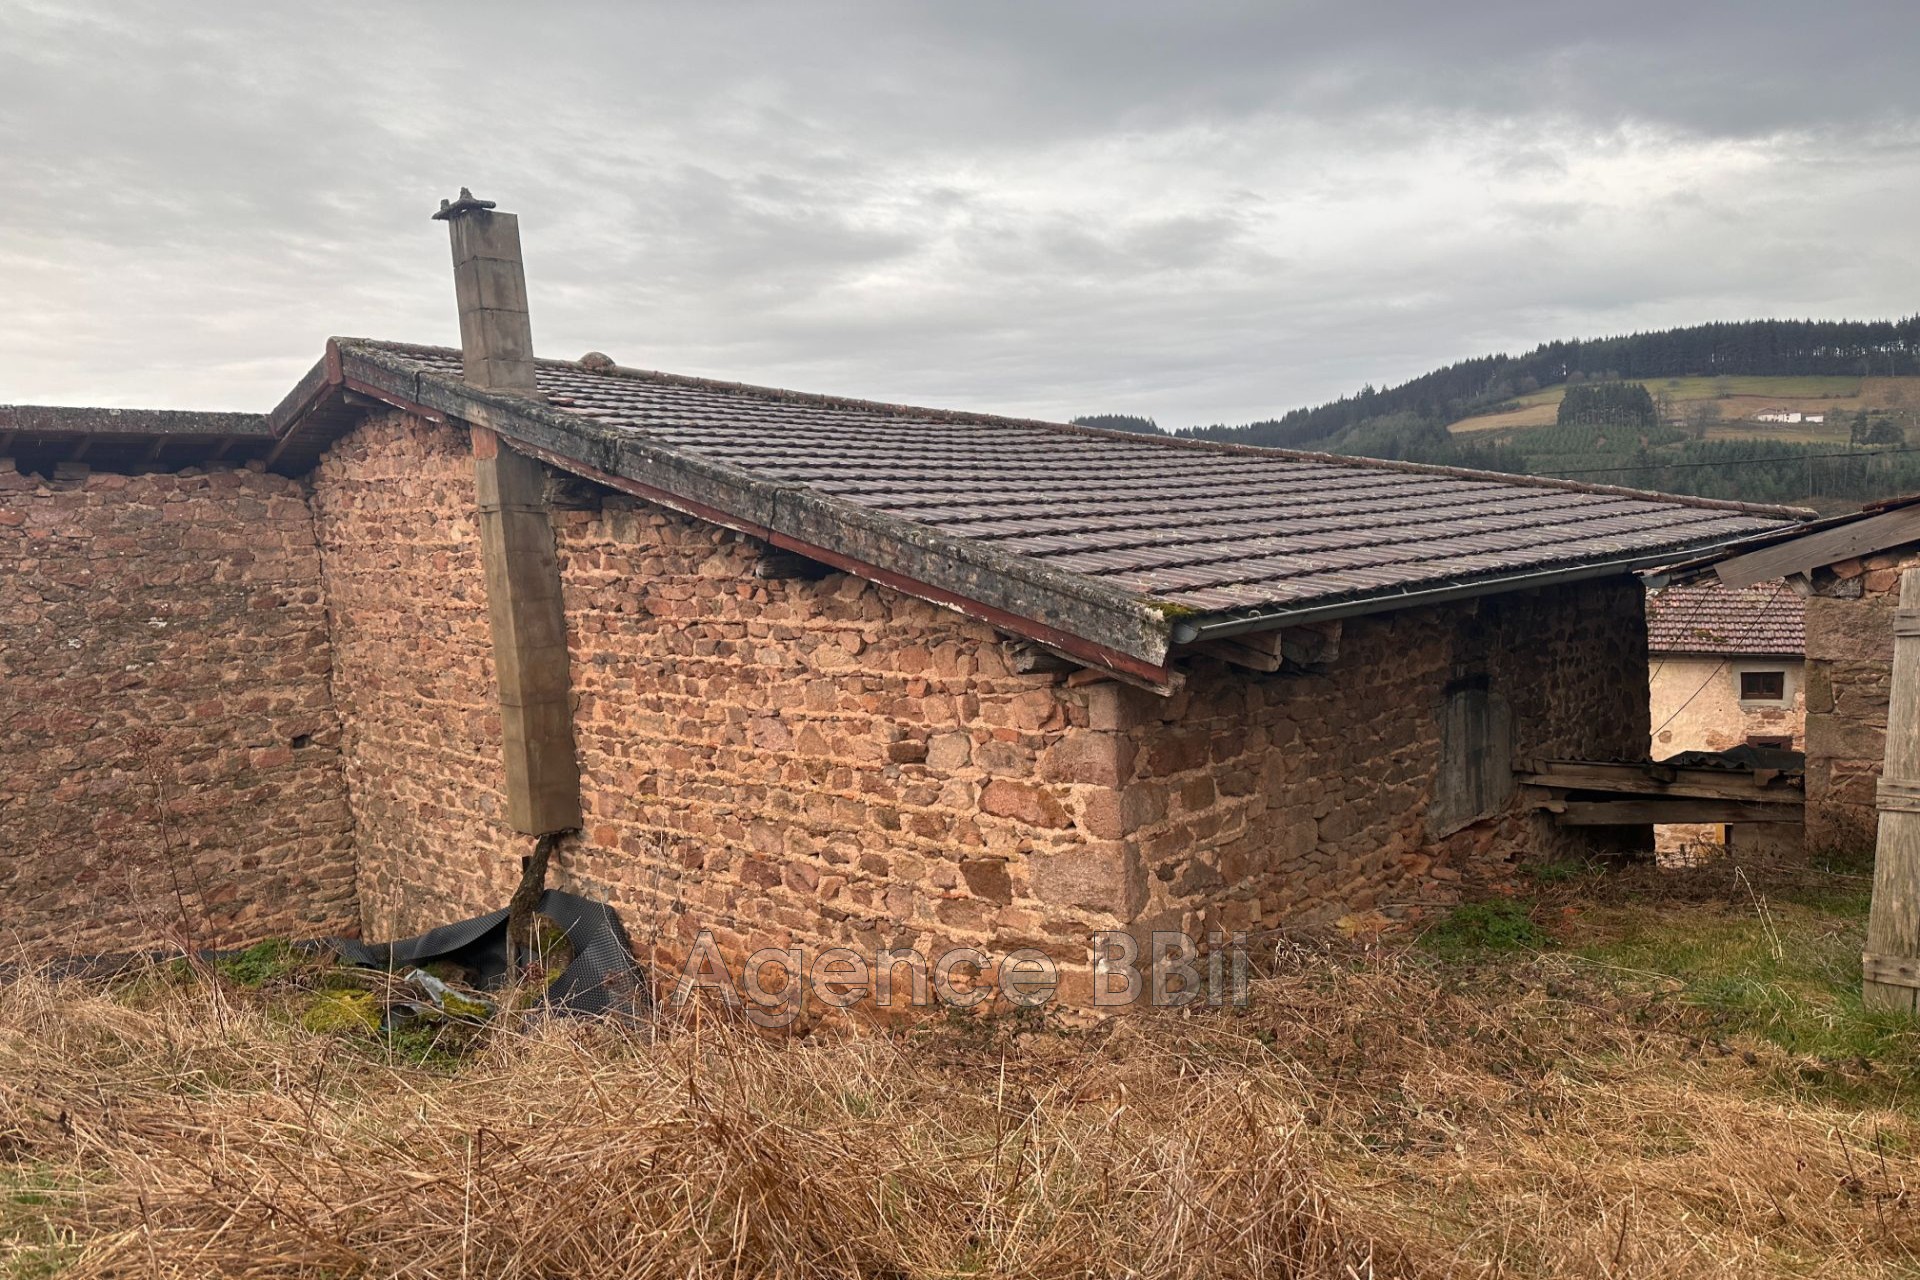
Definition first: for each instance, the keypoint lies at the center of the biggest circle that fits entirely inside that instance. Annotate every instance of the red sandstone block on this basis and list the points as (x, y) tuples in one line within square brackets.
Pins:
[(1032, 805)]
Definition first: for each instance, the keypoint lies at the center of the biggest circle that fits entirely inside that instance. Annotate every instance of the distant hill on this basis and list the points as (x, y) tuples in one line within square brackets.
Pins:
[(1120, 422), (1733, 412)]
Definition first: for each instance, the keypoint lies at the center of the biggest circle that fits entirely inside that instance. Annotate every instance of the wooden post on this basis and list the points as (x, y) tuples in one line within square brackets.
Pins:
[(524, 609), (1891, 966), (524, 605)]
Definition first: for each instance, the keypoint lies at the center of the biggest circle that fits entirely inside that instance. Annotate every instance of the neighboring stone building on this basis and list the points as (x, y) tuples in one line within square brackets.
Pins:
[(1726, 667), (1726, 673), (1848, 569), (801, 671)]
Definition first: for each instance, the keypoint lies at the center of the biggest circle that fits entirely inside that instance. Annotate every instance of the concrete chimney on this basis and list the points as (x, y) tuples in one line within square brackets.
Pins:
[(490, 283)]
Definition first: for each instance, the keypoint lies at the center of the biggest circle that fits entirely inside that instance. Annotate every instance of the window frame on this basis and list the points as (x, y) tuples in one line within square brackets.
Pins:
[(1782, 671)]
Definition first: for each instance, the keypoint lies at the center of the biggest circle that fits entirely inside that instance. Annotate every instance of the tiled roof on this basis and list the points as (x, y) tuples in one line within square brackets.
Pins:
[(1202, 527), (1764, 620), (1111, 546)]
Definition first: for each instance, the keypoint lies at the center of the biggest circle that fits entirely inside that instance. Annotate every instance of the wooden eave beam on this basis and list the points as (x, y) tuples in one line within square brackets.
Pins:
[(1865, 536), (1623, 813), (1252, 657), (1761, 787)]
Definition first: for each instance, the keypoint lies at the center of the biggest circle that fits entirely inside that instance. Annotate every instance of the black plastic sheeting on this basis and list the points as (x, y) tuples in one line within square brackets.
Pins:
[(1741, 759), (602, 978)]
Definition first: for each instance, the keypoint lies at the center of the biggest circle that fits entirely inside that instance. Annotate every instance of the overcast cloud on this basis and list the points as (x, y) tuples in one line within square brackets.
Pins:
[(1197, 211)]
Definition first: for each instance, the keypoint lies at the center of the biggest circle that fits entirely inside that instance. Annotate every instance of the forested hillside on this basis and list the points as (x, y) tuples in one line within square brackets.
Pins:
[(1763, 410)]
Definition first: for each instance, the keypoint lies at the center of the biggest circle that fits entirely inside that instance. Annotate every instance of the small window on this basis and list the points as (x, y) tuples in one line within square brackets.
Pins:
[(1763, 686), (1771, 741)]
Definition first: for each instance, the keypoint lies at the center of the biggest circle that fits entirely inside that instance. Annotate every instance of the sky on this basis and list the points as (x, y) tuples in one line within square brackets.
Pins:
[(1202, 211)]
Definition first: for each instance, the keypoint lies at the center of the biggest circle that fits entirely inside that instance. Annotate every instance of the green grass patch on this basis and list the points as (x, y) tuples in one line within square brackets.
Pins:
[(261, 963), (1564, 871), (1477, 928), (31, 1245), (1783, 968)]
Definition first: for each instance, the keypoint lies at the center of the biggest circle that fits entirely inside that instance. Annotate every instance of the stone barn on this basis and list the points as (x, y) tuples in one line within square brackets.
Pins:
[(790, 669)]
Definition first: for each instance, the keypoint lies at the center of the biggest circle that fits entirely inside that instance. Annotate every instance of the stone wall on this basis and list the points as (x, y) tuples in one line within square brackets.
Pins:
[(812, 761), (413, 675), (169, 759), (1270, 802), (1849, 620)]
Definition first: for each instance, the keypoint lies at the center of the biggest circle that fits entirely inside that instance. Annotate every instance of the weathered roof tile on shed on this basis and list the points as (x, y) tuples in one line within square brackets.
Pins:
[(1705, 617), (1193, 525)]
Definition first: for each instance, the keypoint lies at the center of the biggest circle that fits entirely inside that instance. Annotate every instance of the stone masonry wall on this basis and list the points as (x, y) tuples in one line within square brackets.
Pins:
[(413, 679), (1849, 670), (817, 762), (1268, 802), (169, 759)]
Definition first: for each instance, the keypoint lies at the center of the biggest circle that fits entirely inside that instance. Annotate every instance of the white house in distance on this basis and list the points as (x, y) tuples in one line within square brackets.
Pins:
[(1725, 671), (1789, 415)]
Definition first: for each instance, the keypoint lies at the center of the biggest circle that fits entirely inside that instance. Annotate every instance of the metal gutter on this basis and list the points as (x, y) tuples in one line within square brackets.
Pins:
[(1190, 631)]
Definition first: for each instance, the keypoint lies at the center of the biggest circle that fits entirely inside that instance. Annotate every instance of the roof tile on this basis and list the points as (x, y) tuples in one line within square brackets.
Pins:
[(1706, 617), (1208, 527)]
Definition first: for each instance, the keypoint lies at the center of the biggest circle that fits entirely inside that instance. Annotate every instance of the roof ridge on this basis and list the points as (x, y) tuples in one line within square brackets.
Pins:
[(781, 395)]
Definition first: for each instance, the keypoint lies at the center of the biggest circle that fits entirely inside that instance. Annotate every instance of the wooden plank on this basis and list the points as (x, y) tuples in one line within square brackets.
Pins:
[(1891, 971), (1652, 780), (1610, 813), (527, 619), (1311, 643), (1240, 655), (1809, 551), (280, 445), (1893, 921)]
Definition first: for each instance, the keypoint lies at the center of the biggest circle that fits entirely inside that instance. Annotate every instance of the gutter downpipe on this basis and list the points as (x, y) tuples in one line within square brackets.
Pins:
[(1190, 632)]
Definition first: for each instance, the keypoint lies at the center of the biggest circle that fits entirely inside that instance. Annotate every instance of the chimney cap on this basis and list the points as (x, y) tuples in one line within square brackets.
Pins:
[(451, 209)]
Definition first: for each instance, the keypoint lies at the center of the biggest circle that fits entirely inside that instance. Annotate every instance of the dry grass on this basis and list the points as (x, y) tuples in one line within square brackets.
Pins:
[(1371, 1114)]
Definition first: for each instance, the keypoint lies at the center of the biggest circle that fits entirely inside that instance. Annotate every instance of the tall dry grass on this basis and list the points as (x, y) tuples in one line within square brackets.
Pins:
[(1370, 1117)]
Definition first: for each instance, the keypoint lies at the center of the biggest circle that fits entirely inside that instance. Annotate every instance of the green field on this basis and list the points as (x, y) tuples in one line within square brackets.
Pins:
[(1734, 401)]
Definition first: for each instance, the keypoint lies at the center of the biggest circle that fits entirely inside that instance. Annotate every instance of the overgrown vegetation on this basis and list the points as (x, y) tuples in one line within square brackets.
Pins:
[(1478, 927), (1650, 1074)]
